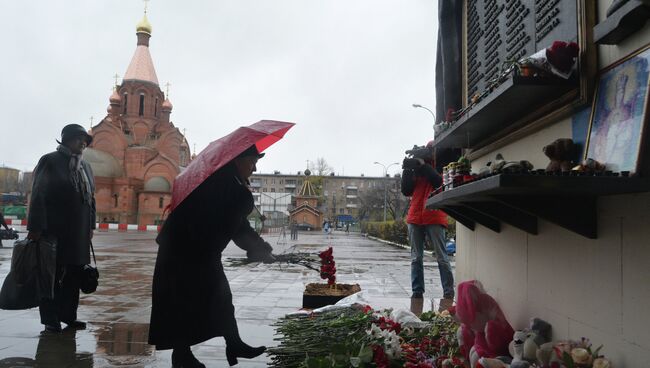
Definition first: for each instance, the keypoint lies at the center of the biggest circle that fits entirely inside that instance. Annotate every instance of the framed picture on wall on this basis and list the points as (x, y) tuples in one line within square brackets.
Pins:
[(619, 114)]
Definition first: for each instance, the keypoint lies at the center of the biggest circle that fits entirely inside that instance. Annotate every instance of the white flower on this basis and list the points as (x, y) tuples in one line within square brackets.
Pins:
[(581, 356), (602, 363), (375, 332), (392, 345)]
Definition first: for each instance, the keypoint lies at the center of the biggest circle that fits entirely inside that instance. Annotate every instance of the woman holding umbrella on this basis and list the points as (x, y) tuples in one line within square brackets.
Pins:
[(192, 301)]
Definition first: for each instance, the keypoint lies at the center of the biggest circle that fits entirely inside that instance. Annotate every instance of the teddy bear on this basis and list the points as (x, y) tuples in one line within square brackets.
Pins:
[(561, 152), (525, 344), (484, 331)]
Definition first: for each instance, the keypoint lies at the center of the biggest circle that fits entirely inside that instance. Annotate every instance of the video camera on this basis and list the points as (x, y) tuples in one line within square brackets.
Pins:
[(415, 153), (441, 156)]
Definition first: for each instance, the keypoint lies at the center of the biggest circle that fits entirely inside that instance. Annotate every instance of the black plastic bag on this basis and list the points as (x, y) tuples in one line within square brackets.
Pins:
[(32, 274)]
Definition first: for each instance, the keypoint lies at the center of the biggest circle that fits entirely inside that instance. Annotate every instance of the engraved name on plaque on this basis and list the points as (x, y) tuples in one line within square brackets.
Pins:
[(502, 31)]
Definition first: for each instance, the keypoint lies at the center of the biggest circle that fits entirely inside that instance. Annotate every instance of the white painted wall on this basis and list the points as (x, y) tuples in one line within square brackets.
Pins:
[(593, 288)]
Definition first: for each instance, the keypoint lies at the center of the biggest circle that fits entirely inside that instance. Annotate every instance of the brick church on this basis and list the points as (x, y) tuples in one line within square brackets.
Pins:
[(137, 151)]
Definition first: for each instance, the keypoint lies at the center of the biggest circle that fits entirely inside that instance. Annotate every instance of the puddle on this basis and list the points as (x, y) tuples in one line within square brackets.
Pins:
[(119, 344)]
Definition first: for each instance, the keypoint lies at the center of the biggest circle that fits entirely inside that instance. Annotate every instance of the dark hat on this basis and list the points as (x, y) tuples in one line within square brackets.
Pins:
[(74, 130), (251, 151)]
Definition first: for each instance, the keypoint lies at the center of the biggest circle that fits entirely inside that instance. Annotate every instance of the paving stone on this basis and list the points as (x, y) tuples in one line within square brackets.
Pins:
[(118, 313)]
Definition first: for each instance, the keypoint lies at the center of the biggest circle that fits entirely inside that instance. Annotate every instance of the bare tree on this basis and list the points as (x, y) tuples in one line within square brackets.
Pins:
[(371, 202), (321, 167)]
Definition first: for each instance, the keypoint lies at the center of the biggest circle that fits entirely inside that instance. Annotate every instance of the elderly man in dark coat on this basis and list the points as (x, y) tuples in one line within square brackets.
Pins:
[(62, 209), (192, 301)]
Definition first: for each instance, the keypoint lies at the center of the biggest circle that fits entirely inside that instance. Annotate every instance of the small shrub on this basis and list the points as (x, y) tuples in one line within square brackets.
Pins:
[(395, 231)]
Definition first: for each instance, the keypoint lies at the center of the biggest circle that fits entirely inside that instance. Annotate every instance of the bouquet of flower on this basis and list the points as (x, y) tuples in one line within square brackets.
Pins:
[(328, 266), (574, 354), (559, 59), (359, 336)]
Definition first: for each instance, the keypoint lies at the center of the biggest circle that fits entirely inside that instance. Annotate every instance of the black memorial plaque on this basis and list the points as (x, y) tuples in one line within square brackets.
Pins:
[(500, 31)]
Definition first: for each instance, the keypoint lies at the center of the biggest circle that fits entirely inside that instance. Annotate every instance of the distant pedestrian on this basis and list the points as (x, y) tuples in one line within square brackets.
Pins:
[(326, 227), (2, 222), (347, 228), (62, 209), (294, 230)]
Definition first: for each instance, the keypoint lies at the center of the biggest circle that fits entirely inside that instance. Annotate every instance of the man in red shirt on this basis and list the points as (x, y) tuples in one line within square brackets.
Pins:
[(419, 178)]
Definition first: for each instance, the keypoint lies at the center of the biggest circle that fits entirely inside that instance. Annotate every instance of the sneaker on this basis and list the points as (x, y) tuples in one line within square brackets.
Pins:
[(417, 295)]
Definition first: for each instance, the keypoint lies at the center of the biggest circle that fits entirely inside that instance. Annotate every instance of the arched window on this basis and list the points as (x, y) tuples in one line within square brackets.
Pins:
[(115, 196), (126, 96), (155, 107), (160, 202), (141, 110)]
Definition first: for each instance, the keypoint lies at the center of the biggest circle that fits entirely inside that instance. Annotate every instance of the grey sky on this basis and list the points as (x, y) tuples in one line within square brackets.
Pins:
[(346, 71)]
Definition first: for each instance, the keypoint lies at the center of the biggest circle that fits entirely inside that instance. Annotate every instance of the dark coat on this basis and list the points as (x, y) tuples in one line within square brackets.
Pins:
[(57, 210), (191, 298)]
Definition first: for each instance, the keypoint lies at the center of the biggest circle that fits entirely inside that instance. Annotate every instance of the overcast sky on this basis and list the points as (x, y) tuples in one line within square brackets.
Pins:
[(346, 71)]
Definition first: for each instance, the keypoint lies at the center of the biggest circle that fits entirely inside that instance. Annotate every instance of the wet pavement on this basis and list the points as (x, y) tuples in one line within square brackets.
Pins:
[(118, 313)]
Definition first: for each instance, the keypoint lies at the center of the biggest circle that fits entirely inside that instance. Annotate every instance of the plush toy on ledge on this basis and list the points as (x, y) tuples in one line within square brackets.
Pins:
[(561, 152)]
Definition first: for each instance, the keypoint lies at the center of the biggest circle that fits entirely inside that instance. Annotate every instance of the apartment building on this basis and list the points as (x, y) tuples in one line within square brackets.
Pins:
[(342, 198)]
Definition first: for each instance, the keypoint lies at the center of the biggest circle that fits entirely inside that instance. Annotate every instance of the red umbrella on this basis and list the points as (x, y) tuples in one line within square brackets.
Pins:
[(218, 153)]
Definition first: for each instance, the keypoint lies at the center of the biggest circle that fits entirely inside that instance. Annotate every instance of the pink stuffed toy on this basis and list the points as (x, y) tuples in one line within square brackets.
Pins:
[(484, 330)]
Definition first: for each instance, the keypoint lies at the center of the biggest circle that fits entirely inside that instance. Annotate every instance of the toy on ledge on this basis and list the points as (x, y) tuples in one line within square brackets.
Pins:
[(500, 166), (592, 167), (457, 173), (561, 153)]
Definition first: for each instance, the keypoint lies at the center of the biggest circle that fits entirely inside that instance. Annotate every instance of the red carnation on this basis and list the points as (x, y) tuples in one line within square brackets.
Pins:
[(561, 55), (328, 266), (379, 357)]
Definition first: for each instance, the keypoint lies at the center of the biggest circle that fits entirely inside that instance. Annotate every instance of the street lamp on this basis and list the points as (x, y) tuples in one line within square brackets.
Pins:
[(432, 114), (385, 173), (426, 108)]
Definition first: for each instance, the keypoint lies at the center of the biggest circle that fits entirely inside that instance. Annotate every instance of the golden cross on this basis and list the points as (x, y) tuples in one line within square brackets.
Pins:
[(91, 121), (195, 148), (116, 76), (145, 5), (184, 132), (167, 89)]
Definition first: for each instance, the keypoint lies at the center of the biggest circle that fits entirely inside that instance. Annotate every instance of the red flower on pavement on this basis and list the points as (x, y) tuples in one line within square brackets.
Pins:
[(418, 365), (379, 357), (390, 325)]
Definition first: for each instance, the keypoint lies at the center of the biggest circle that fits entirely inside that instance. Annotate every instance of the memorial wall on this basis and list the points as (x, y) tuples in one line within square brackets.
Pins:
[(498, 32)]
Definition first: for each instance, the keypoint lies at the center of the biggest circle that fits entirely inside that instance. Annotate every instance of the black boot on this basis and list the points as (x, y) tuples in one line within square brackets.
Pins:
[(235, 347), (183, 358), (242, 350)]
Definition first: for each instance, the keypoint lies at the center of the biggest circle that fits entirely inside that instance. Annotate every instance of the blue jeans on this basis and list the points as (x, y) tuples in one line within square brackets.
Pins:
[(436, 234)]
